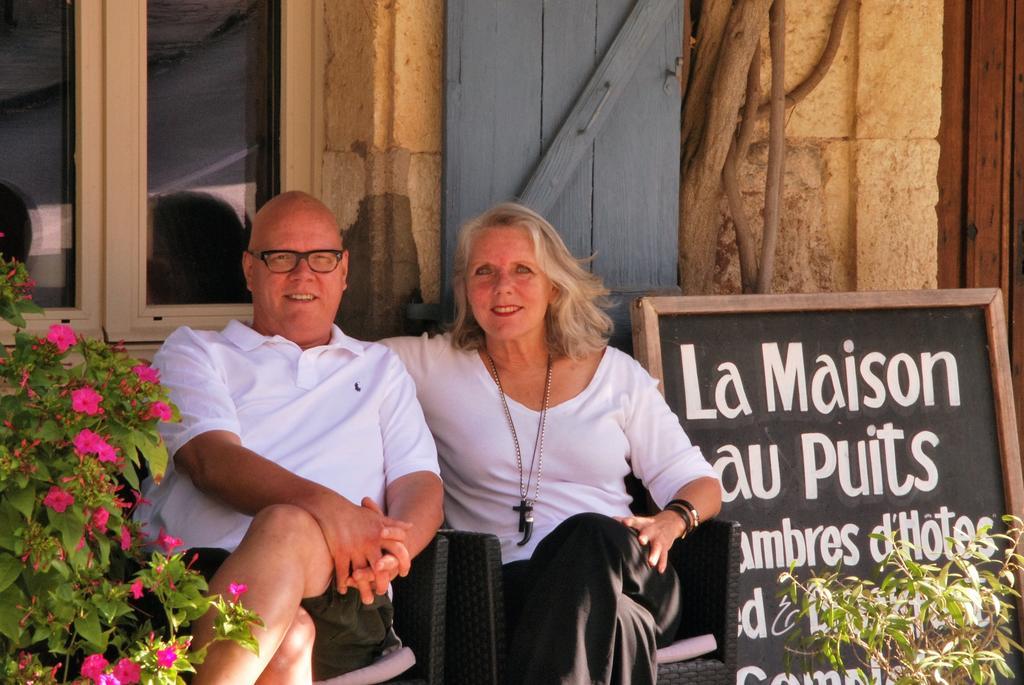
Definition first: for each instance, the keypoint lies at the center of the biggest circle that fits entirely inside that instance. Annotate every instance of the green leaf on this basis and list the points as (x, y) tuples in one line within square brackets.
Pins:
[(103, 546), (155, 454), (109, 609), (70, 527), (30, 307), (10, 569), (9, 404), (61, 569), (10, 521), (9, 314), (130, 474), (10, 614), (23, 500), (88, 627), (50, 432)]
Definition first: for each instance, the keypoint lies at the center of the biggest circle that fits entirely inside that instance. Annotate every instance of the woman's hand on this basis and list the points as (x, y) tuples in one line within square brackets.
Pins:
[(657, 533)]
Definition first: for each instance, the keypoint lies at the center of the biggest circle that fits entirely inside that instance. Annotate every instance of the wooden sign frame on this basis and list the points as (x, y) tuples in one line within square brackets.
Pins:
[(647, 313)]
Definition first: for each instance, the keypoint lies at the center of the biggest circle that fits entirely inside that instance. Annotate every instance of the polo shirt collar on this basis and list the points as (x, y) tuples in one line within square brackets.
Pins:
[(246, 339)]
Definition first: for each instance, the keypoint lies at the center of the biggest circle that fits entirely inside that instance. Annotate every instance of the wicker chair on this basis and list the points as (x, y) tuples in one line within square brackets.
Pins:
[(707, 562), (708, 565)]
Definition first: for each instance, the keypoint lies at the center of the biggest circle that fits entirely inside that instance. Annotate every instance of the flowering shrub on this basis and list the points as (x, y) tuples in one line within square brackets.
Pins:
[(78, 422)]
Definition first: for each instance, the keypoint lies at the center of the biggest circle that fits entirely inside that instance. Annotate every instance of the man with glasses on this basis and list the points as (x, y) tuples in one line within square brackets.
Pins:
[(302, 453)]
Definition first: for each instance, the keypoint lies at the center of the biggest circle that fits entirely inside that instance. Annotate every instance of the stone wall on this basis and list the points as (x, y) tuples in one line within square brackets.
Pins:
[(860, 184), (382, 156), (861, 158)]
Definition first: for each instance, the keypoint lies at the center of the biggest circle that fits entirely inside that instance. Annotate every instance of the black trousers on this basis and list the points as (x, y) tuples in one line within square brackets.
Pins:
[(586, 608)]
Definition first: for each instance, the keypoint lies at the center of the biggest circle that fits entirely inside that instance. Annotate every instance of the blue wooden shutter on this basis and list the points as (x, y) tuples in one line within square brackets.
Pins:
[(571, 106)]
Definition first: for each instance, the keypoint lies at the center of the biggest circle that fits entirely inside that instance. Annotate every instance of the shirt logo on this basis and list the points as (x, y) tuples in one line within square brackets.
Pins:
[(358, 389)]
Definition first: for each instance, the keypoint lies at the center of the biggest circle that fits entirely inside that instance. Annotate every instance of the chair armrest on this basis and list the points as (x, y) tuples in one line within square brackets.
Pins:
[(420, 601), (707, 562), (475, 645)]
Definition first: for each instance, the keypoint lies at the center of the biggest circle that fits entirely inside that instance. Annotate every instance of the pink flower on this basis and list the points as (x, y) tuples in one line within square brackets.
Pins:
[(146, 373), (100, 518), (108, 679), (126, 538), (87, 442), (168, 542), (61, 336), (159, 410), (136, 589), (93, 667), (127, 671), (86, 401), (106, 453), (58, 499), (165, 658), (237, 590)]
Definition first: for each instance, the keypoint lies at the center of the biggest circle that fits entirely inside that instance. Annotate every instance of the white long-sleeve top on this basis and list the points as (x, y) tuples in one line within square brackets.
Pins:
[(618, 424)]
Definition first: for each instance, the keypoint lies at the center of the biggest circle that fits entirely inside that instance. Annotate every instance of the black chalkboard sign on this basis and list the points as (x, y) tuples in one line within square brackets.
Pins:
[(834, 416)]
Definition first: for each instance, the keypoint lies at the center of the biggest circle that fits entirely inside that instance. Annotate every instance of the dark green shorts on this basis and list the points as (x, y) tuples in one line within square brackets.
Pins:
[(349, 634)]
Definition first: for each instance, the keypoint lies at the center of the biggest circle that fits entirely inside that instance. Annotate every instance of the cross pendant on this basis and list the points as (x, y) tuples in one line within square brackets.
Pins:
[(525, 510)]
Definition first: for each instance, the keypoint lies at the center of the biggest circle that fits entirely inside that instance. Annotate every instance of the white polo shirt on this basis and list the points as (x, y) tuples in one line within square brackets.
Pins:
[(343, 415)]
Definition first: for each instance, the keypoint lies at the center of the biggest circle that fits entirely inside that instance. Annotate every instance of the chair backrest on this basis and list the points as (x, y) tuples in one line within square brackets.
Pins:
[(475, 643), (420, 601)]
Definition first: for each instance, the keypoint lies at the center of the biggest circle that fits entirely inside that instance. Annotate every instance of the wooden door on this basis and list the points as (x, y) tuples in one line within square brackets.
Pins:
[(981, 165), (572, 107)]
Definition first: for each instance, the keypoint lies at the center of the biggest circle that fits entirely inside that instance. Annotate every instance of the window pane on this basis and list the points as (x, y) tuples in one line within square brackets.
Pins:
[(37, 142), (212, 143)]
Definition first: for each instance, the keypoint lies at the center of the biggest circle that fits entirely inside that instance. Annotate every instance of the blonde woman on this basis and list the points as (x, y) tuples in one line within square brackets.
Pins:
[(537, 421)]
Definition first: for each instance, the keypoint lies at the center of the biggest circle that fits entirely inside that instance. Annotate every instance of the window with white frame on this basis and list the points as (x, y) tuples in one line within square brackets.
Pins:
[(37, 140), (138, 140)]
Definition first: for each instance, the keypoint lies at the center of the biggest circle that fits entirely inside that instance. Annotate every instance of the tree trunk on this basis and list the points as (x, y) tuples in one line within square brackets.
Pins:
[(701, 189), (745, 241), (713, 19), (776, 147)]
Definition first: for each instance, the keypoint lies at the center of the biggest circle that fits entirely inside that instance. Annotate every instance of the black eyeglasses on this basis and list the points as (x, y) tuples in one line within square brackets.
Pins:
[(283, 261)]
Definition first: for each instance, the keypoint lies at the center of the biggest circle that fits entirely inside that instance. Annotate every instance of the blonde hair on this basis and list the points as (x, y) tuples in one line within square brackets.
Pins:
[(575, 323)]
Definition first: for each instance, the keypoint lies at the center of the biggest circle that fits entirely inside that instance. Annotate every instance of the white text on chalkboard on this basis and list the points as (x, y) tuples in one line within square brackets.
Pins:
[(870, 382)]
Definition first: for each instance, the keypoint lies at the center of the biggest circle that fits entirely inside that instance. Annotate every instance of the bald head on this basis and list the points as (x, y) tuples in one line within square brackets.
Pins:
[(288, 208), (300, 304)]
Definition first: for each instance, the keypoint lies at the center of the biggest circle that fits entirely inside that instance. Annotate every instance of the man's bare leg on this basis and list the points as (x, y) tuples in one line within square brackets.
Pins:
[(293, 662), (282, 558)]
